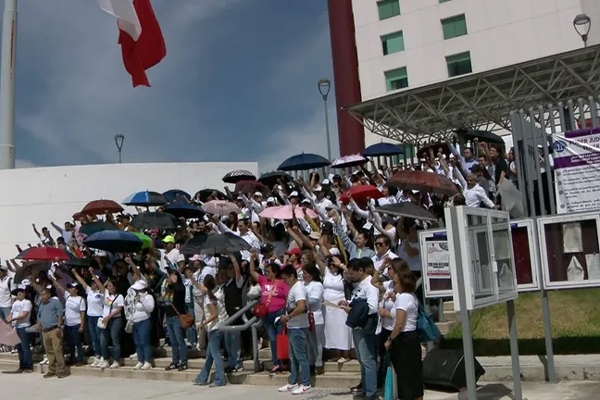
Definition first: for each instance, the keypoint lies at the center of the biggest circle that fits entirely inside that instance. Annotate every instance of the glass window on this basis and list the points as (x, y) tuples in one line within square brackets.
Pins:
[(459, 64), (454, 26), (388, 8), (392, 43), (396, 79)]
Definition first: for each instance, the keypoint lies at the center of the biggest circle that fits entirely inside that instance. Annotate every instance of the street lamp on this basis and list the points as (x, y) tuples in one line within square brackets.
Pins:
[(119, 139), (582, 24), (324, 86)]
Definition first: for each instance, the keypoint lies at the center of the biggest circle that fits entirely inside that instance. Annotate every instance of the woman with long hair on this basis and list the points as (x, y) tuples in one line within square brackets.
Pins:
[(111, 322), (95, 306), (316, 334)]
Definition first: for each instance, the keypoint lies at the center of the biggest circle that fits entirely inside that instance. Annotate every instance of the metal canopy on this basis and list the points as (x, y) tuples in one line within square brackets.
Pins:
[(480, 101)]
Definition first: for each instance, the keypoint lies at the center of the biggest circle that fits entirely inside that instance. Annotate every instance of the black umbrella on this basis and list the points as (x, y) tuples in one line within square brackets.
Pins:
[(205, 194), (31, 269), (184, 210), (270, 179), (239, 175), (97, 226), (382, 149), (410, 210), (222, 243), (154, 220), (482, 136), (304, 162)]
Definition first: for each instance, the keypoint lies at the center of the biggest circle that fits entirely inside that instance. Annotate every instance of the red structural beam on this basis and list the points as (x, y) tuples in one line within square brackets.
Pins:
[(345, 75)]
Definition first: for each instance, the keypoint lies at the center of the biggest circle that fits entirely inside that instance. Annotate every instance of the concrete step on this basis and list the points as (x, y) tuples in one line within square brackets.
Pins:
[(334, 380), (451, 316), (449, 306), (447, 327)]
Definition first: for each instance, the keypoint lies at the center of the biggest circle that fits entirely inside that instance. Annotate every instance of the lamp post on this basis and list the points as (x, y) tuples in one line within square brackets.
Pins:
[(582, 24), (7, 85), (119, 139), (324, 86)]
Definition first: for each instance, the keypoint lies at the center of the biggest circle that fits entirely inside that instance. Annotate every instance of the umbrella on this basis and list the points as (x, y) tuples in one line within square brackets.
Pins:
[(435, 146), (205, 195), (146, 240), (220, 207), (43, 253), (270, 179), (114, 241), (78, 262), (303, 162), (222, 243), (97, 226), (382, 149), (423, 181), (349, 161), (239, 175), (33, 268), (482, 136), (360, 194), (286, 212), (410, 210), (145, 199), (176, 195), (184, 210), (99, 207), (155, 220), (251, 187)]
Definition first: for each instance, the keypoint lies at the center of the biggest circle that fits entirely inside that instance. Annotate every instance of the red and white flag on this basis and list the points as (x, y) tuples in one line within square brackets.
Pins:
[(8, 336), (140, 37)]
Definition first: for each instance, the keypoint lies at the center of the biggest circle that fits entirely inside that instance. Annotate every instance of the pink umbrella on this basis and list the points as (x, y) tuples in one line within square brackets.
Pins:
[(220, 207), (286, 212), (349, 161), (8, 336)]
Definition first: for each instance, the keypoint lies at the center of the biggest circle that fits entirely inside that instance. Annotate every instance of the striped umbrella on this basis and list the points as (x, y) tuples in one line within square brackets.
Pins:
[(239, 175)]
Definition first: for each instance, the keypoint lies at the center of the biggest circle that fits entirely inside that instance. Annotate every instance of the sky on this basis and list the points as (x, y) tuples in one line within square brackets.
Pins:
[(239, 83)]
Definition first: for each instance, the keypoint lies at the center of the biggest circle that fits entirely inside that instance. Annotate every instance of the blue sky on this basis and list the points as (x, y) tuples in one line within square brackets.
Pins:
[(238, 84)]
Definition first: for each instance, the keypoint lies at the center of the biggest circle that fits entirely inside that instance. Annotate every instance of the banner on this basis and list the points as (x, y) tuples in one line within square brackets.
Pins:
[(437, 259), (577, 170)]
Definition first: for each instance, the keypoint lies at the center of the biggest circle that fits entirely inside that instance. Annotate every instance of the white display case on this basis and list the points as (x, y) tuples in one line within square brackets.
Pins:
[(526, 254), (481, 241), (570, 250)]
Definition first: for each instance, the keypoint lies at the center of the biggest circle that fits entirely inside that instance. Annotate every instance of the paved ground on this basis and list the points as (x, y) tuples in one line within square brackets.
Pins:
[(34, 386)]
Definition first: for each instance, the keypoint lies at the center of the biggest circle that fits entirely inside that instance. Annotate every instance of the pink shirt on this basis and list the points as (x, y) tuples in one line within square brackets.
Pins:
[(276, 290)]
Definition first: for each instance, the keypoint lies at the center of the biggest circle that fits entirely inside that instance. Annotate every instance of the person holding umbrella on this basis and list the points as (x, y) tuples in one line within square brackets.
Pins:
[(20, 318)]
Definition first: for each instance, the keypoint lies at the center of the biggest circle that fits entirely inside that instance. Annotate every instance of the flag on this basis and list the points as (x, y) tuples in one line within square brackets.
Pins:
[(8, 336), (140, 37)]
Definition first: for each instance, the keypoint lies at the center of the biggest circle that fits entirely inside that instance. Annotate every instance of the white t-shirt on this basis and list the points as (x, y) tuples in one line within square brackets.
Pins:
[(19, 307), (409, 303), (199, 276), (74, 305), (315, 297), (6, 286), (143, 308), (221, 311), (115, 300), (297, 293), (95, 302), (390, 306)]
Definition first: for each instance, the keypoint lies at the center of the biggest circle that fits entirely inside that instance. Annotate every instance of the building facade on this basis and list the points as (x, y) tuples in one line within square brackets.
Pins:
[(404, 44)]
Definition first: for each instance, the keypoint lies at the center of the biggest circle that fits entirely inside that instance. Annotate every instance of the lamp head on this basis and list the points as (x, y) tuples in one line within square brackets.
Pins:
[(582, 24), (119, 139), (324, 86)]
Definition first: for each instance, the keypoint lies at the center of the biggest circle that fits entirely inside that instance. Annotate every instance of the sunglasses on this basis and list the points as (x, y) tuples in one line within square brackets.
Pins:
[(379, 244)]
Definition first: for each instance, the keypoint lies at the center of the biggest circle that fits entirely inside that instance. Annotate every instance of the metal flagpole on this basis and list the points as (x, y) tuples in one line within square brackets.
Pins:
[(7, 85)]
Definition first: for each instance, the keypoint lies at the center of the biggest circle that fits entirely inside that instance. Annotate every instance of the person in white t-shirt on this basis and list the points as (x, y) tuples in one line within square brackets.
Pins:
[(20, 318), (316, 333), (95, 305), (111, 322), (74, 323), (171, 256), (404, 344), (142, 324), (297, 323)]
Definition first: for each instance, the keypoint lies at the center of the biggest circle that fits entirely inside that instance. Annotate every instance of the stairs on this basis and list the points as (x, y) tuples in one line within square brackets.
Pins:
[(449, 318)]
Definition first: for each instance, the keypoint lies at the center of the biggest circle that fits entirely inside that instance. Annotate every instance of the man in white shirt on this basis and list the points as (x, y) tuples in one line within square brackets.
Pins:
[(475, 194), (171, 255), (6, 286)]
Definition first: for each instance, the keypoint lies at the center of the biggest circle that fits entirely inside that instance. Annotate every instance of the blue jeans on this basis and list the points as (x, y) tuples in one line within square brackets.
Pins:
[(191, 333), (24, 350), (298, 357), (213, 353), (73, 339), (316, 342), (141, 338), (176, 337), (112, 332), (272, 331), (233, 342), (92, 325), (4, 313), (366, 354)]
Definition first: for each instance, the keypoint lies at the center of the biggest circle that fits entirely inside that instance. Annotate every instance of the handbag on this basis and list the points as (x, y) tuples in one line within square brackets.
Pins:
[(426, 327), (186, 320), (262, 310), (282, 345), (390, 387), (100, 324)]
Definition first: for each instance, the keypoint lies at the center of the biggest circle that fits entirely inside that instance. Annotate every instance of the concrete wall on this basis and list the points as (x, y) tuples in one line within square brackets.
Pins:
[(43, 195)]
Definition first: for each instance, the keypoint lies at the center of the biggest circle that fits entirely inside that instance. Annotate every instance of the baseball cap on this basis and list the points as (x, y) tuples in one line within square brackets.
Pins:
[(169, 239), (294, 252)]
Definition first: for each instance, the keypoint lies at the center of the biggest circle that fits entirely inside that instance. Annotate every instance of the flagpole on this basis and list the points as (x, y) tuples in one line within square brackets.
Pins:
[(7, 85)]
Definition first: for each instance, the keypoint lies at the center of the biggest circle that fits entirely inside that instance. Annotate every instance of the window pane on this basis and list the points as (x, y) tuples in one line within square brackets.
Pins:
[(388, 8), (392, 43), (459, 64), (396, 79), (454, 26)]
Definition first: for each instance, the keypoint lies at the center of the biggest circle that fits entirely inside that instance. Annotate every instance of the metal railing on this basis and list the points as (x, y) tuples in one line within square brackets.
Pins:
[(255, 323)]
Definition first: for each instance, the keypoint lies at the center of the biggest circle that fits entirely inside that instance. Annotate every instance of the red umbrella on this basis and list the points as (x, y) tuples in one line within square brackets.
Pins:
[(423, 181), (250, 187), (99, 207), (360, 193), (44, 253)]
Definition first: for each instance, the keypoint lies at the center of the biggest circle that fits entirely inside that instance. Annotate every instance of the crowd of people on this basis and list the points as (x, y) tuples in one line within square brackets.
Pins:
[(336, 277)]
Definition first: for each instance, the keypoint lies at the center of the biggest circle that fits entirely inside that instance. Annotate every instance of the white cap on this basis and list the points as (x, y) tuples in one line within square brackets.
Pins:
[(271, 200), (139, 285), (317, 189), (334, 251), (306, 201), (293, 194), (325, 182), (258, 194)]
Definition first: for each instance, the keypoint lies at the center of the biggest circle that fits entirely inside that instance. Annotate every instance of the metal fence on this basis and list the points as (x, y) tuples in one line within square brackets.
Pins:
[(532, 142)]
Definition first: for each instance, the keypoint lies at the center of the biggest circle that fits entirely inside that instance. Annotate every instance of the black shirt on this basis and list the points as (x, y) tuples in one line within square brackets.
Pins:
[(233, 299)]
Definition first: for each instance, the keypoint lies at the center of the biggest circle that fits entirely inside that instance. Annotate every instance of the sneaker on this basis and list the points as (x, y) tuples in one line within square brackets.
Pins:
[(115, 365), (96, 363), (13, 351), (238, 369), (302, 389), (103, 364), (133, 356), (138, 365), (357, 388), (146, 367), (342, 360), (182, 366), (275, 369), (171, 367), (44, 361), (288, 388)]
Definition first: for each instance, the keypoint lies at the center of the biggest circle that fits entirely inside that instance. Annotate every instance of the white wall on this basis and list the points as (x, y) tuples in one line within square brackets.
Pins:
[(43, 195)]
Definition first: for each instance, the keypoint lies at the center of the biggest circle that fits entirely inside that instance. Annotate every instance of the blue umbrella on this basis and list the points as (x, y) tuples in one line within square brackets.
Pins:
[(114, 241), (176, 195), (145, 199), (382, 149), (303, 162), (185, 210)]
